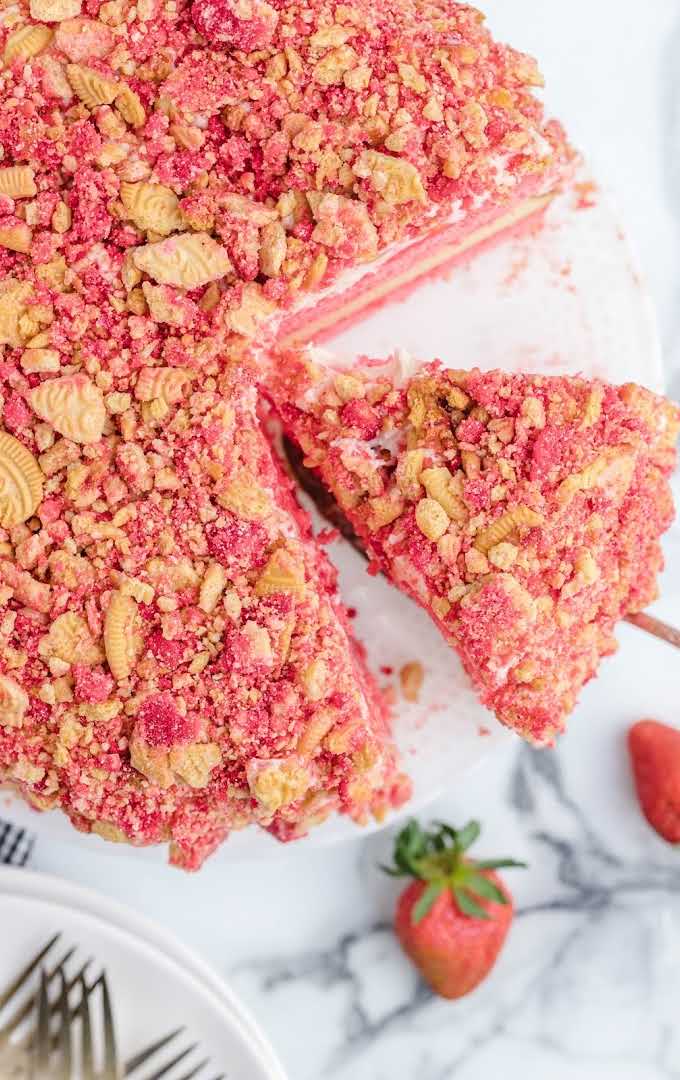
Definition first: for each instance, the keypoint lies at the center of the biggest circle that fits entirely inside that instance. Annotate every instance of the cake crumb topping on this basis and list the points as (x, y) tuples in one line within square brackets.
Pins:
[(237, 154)]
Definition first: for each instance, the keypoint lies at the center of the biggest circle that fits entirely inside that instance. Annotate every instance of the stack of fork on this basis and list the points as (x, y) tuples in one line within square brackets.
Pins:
[(16, 845), (59, 1026)]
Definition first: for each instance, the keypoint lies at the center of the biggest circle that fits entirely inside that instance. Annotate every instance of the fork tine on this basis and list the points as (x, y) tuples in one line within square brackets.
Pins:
[(64, 1035), (27, 852), (143, 1056), (23, 976), (194, 1072), (42, 1041), (16, 844), (9, 856), (170, 1065), (26, 1009), (110, 1055), (87, 1052), (73, 1014)]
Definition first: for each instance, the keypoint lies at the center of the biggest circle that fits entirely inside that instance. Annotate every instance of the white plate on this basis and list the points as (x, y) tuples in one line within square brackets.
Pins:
[(566, 300), (157, 984)]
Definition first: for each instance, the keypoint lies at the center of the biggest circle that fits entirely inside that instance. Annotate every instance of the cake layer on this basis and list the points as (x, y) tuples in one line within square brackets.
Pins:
[(358, 293), (522, 512), (175, 175), (174, 660)]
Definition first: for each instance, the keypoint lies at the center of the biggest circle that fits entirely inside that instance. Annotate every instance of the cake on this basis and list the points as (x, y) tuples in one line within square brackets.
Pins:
[(175, 660), (523, 512), (180, 179), (183, 173)]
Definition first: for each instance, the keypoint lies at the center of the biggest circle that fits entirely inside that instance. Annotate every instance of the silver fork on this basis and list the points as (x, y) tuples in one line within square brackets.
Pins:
[(16, 844), (110, 1069), (51, 1052)]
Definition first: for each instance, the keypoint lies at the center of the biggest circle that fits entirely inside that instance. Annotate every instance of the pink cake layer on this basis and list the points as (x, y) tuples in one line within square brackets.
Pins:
[(437, 253)]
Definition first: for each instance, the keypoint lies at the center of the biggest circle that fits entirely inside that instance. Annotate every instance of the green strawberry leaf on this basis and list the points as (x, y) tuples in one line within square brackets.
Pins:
[(481, 886), (412, 841), (439, 854), (467, 836), (410, 846), (426, 901), (447, 830), (439, 842), (402, 863), (468, 905), (499, 864)]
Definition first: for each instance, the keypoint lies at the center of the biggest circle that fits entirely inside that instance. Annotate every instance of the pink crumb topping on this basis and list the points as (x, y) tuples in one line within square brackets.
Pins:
[(239, 24), (523, 512)]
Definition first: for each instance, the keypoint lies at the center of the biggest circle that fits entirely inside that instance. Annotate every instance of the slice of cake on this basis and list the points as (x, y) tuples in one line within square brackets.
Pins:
[(522, 512), (174, 660), (205, 167)]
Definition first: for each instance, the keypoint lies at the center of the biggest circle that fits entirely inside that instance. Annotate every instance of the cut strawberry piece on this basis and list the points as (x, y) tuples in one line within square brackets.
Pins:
[(522, 512)]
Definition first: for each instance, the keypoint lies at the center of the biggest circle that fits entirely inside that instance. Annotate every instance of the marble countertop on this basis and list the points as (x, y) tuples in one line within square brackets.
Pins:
[(588, 984)]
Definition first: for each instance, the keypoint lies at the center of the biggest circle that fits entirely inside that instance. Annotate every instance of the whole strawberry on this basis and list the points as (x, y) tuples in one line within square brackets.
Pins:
[(453, 918), (655, 757)]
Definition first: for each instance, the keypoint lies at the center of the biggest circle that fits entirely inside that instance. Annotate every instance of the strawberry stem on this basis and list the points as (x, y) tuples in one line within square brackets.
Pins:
[(438, 857)]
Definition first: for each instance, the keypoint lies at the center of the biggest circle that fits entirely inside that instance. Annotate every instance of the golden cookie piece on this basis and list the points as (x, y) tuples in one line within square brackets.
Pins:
[(165, 383), (152, 207), (396, 180), (73, 405), (18, 182), (130, 107), (189, 260), (70, 640), (92, 88), (26, 42), (122, 640), (21, 482), (13, 301), (54, 10), (13, 703)]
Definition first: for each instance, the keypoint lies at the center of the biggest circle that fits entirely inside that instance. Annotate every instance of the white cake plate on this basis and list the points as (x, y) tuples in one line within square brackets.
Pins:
[(567, 300)]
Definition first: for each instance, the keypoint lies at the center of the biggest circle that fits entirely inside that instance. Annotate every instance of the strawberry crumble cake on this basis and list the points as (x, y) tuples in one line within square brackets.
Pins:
[(522, 512), (177, 179), (175, 661)]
